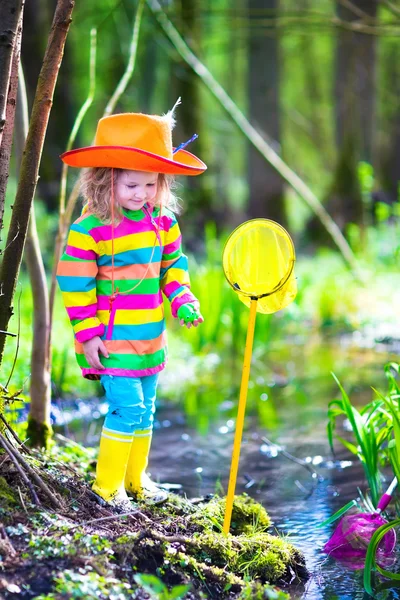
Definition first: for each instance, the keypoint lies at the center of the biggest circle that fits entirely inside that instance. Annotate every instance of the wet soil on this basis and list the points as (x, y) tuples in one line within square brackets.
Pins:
[(71, 531)]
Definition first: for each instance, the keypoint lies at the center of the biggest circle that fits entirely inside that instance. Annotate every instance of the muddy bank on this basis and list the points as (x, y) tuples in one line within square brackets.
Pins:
[(71, 542)]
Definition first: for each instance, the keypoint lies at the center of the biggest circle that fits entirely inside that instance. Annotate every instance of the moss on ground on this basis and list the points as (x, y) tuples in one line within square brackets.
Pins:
[(247, 515), (38, 434), (7, 495), (177, 546)]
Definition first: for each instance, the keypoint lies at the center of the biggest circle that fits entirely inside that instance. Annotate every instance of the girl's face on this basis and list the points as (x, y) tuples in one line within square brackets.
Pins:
[(134, 188)]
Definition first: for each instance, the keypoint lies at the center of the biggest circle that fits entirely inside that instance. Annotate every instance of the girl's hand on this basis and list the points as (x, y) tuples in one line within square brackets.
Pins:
[(196, 322), (189, 315), (91, 349)]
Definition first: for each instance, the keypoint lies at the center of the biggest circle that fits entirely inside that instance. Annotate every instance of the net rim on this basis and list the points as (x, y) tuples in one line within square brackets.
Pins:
[(284, 279)]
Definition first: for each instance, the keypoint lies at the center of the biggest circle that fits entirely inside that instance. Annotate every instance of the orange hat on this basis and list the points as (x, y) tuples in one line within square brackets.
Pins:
[(138, 142)]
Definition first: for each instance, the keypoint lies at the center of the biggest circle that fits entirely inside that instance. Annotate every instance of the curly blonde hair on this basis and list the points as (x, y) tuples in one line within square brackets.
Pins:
[(95, 187)]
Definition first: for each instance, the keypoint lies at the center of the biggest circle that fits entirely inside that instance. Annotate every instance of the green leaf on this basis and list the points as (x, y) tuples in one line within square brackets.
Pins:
[(370, 559), (177, 592), (150, 583), (338, 513), (351, 447)]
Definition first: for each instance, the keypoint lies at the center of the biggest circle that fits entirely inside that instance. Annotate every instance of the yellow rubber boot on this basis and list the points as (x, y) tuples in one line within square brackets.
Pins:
[(138, 460), (111, 467), (136, 480)]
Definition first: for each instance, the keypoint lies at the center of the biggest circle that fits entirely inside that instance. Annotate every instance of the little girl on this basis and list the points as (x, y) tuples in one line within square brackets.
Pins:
[(121, 254)]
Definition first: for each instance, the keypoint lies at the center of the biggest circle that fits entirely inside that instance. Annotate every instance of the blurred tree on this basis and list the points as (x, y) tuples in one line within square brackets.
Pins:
[(354, 97), (387, 152), (298, 185), (354, 110), (310, 49), (190, 114), (265, 184)]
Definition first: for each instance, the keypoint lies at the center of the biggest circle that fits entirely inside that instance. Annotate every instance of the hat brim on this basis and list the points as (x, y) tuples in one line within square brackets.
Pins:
[(123, 157)]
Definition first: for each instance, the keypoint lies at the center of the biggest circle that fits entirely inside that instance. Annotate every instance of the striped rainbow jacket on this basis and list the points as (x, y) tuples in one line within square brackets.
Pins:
[(132, 327)]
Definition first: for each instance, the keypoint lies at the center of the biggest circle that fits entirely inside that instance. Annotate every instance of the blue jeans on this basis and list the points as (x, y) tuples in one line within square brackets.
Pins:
[(131, 402)]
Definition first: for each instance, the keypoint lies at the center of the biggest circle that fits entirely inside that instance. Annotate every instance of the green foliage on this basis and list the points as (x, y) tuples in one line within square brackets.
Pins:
[(366, 177), (367, 442), (339, 513), (68, 544), (250, 551), (178, 545), (375, 429), (327, 296), (248, 516), (73, 454), (7, 495), (86, 584), (376, 432), (259, 591), (157, 590), (371, 561)]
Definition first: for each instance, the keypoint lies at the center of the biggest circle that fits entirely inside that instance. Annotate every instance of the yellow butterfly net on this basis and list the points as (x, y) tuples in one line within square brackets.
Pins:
[(258, 262)]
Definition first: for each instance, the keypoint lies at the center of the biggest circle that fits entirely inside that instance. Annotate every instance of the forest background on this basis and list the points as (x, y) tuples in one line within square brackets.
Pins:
[(316, 81)]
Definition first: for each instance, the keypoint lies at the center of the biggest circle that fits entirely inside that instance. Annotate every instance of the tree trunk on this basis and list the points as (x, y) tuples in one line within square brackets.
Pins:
[(10, 13), (265, 184), (189, 113), (313, 92), (31, 161), (6, 134), (355, 75), (354, 111), (39, 427), (389, 147), (354, 119)]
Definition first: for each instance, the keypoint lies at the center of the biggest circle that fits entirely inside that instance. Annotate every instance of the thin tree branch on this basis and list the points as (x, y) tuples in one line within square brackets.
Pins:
[(6, 539), (16, 438), (392, 7), (298, 461), (283, 23), (25, 479), (81, 114), (121, 87), (18, 341), (111, 518), (38, 480), (356, 10)]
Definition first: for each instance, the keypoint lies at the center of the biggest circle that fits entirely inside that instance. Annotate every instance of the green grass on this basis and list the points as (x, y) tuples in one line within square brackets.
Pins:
[(375, 431), (328, 296)]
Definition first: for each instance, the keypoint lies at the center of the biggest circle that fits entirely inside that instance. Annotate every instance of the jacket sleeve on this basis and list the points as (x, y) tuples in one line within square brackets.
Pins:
[(76, 276), (174, 274)]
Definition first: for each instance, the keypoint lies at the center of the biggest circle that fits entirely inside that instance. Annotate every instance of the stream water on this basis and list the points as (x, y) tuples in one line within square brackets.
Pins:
[(288, 398)]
